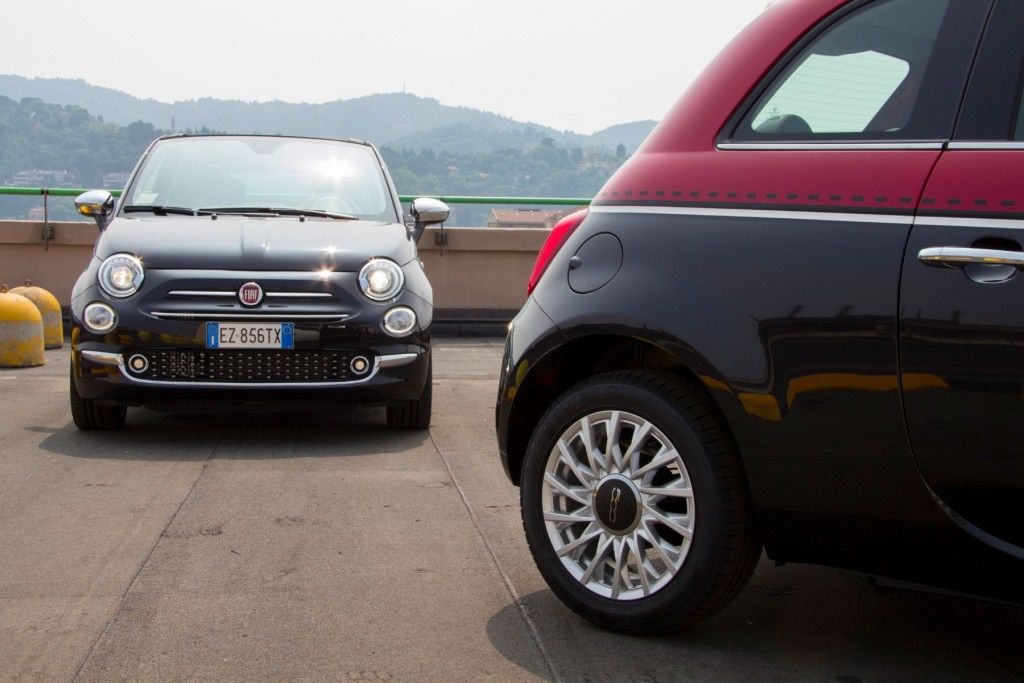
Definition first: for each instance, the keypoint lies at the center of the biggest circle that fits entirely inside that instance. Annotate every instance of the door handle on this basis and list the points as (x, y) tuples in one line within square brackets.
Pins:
[(955, 257)]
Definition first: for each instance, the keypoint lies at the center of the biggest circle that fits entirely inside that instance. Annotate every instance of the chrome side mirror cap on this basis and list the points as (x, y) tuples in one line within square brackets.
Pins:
[(96, 204), (427, 211)]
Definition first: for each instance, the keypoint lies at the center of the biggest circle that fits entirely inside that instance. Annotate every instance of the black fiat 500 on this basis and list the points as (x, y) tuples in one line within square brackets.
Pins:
[(253, 271), (792, 320)]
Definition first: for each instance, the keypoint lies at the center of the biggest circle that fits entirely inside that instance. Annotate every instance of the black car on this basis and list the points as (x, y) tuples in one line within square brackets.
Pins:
[(253, 271), (791, 320)]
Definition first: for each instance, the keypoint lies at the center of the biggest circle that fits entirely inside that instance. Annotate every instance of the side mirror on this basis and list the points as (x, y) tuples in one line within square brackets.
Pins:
[(97, 204), (427, 211)]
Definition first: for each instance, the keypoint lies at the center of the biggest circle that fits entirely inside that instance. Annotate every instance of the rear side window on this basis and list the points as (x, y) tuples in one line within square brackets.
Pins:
[(1018, 131), (892, 69)]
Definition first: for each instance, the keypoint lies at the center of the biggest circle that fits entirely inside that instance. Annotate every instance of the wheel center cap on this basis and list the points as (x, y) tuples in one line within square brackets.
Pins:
[(617, 504)]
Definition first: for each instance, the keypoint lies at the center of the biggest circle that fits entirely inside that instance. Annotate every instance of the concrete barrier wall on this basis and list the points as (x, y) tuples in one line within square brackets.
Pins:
[(478, 274)]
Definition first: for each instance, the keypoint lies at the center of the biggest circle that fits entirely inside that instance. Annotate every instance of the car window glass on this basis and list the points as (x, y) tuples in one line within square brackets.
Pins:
[(293, 173), (861, 78)]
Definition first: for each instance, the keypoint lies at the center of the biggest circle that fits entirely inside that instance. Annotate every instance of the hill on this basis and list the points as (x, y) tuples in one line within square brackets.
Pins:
[(52, 145), (398, 120)]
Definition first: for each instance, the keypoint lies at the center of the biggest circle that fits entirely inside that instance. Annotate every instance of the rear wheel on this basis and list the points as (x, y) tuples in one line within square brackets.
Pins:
[(414, 414), (89, 416), (634, 504)]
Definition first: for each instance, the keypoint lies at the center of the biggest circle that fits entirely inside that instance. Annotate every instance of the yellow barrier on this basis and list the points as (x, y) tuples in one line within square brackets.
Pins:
[(21, 332), (49, 308)]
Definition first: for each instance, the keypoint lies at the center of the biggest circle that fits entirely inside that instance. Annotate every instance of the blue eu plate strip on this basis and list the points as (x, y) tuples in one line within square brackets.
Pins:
[(212, 335), (287, 335)]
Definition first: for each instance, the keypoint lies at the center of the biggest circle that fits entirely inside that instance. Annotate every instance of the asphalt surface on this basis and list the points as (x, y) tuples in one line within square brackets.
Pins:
[(327, 547)]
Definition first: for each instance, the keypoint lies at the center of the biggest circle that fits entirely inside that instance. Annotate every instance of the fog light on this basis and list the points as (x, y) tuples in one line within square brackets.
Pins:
[(359, 365), (99, 318), (399, 321), (138, 363)]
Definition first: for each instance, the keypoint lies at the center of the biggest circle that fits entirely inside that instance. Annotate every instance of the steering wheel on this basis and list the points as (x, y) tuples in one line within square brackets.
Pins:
[(332, 203)]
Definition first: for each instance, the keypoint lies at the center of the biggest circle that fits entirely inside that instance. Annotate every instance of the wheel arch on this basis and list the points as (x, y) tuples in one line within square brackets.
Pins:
[(583, 356)]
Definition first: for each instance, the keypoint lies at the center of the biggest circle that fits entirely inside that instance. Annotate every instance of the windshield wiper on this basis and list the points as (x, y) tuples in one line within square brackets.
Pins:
[(277, 211), (158, 210)]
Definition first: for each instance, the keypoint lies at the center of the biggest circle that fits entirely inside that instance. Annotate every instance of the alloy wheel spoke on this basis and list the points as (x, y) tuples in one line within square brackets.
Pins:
[(579, 495), (632, 454), (652, 539), (581, 515), (620, 554), (660, 460), (673, 522), (598, 561), (597, 465), (678, 489), (612, 451), (586, 477), (641, 568), (593, 531)]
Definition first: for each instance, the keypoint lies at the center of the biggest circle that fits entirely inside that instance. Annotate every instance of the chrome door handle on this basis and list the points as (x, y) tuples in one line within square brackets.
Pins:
[(955, 257)]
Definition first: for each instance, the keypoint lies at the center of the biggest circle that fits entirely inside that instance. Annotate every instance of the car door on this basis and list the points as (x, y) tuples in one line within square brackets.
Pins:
[(962, 303)]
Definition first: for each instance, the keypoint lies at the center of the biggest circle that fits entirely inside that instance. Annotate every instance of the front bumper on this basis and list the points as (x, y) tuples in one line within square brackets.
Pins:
[(398, 373)]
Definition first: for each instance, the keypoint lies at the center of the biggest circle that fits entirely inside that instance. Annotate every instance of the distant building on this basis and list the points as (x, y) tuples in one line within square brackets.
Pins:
[(527, 218), (38, 177), (115, 180), (36, 213)]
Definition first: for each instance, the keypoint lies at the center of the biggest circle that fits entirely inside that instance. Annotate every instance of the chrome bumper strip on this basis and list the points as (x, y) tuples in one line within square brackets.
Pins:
[(393, 360)]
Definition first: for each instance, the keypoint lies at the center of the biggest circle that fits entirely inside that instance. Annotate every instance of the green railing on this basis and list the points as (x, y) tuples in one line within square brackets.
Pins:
[(450, 199)]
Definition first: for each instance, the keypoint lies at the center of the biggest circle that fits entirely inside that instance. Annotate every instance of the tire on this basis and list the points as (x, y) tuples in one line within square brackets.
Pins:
[(723, 550), (88, 416), (415, 414)]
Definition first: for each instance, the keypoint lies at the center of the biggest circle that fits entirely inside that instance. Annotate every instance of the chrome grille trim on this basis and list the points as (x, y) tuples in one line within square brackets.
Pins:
[(379, 362), (275, 295), (270, 315)]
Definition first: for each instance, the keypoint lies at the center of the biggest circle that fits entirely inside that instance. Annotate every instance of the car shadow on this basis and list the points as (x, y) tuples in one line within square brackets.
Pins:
[(796, 622), (155, 436)]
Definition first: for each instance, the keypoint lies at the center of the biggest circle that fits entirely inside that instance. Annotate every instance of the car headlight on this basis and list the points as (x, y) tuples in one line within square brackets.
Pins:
[(121, 275), (381, 279), (99, 317)]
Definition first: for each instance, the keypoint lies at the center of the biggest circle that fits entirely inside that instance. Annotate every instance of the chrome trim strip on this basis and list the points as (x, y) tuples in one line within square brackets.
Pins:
[(827, 146), (1007, 145), (270, 316), (396, 359), (379, 363), (188, 292), (281, 295), (104, 358), (780, 214), (971, 222)]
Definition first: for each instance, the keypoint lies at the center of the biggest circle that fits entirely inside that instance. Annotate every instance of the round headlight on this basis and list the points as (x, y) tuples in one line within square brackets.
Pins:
[(99, 318), (121, 275), (381, 279), (399, 321)]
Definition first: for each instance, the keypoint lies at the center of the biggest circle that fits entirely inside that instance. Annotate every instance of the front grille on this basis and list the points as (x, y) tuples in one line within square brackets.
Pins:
[(247, 366)]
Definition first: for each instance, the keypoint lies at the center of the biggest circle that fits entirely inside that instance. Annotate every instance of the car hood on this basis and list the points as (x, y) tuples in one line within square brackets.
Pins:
[(243, 243)]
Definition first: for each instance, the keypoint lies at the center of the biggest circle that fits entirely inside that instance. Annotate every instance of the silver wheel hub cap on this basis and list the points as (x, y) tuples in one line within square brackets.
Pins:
[(618, 505)]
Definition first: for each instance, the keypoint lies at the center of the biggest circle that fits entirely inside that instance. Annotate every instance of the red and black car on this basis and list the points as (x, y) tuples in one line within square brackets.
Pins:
[(792, 320)]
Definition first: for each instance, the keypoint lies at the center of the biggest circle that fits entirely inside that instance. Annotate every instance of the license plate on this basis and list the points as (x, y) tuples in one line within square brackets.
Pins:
[(249, 336)]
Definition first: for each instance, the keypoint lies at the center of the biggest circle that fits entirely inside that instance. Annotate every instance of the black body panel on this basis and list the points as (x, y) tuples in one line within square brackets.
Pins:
[(790, 328)]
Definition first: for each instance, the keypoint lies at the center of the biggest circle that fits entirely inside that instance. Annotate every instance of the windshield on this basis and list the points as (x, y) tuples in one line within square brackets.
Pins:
[(263, 172)]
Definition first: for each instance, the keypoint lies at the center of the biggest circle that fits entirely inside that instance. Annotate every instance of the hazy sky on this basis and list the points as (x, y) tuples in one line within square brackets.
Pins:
[(564, 63)]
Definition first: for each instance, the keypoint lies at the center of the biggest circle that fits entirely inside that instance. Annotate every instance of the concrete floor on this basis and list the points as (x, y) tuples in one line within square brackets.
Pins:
[(284, 547)]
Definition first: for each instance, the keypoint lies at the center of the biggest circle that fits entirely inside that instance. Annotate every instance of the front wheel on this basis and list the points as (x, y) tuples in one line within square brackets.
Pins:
[(634, 504), (89, 416), (415, 414)]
